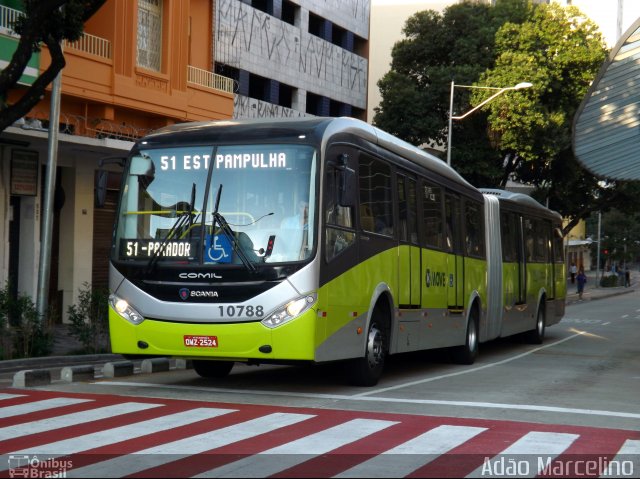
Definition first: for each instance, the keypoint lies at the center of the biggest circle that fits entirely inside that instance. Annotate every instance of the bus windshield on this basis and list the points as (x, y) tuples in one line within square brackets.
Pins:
[(259, 205)]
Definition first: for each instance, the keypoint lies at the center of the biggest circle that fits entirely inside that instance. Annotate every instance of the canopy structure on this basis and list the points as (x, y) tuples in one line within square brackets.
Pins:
[(606, 127)]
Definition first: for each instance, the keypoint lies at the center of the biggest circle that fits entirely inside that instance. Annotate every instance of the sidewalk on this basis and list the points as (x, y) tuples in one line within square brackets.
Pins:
[(63, 353), (593, 291)]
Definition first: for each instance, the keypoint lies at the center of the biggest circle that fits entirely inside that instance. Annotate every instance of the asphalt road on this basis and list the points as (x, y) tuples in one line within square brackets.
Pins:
[(586, 373)]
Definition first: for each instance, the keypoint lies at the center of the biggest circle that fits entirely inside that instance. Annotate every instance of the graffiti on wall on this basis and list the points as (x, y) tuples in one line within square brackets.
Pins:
[(278, 50), (354, 12), (246, 107)]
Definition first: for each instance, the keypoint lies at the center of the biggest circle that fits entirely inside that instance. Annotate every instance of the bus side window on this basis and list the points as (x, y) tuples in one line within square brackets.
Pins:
[(339, 220), (432, 214), (529, 239), (558, 244), (509, 237), (407, 208), (474, 239), (376, 200), (336, 214)]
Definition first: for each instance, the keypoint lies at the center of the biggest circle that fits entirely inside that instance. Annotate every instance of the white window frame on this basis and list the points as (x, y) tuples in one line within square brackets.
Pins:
[(150, 34)]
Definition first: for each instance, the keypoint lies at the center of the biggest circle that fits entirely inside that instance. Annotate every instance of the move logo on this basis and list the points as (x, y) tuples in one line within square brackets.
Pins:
[(437, 279)]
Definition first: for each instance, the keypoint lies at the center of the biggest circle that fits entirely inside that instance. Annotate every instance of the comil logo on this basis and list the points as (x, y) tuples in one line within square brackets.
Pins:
[(184, 294), (199, 276)]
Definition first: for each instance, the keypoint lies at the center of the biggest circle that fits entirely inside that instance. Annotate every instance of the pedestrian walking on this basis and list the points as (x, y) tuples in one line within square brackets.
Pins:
[(573, 270), (581, 278), (627, 277)]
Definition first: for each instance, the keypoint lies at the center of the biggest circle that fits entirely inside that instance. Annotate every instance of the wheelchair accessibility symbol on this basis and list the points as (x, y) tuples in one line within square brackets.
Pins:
[(217, 249)]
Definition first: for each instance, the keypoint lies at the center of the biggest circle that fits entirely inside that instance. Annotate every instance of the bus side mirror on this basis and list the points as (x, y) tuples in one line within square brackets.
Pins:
[(101, 188), (102, 178), (348, 187)]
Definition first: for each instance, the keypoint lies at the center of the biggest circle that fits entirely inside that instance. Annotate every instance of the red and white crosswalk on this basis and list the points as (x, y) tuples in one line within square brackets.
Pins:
[(45, 433)]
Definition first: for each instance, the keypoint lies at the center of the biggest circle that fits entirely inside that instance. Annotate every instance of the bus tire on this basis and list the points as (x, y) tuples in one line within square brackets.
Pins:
[(367, 370), (536, 335), (212, 369), (467, 353)]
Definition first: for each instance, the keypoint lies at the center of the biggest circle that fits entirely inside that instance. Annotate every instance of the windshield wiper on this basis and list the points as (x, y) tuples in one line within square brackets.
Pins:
[(184, 218), (226, 229)]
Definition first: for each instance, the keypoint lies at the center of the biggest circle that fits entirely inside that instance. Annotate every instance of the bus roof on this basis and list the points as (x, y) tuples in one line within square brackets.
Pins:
[(521, 200), (322, 129)]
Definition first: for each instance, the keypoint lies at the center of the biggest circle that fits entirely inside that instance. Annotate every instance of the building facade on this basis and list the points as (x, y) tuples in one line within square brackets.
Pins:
[(294, 57), (140, 65)]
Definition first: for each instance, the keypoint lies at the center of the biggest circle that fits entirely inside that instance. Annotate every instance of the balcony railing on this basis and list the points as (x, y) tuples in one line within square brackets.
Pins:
[(209, 79), (7, 17), (91, 44), (87, 43)]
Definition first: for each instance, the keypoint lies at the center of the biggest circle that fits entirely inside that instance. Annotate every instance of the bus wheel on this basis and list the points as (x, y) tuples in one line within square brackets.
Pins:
[(468, 353), (536, 335), (366, 371), (212, 369)]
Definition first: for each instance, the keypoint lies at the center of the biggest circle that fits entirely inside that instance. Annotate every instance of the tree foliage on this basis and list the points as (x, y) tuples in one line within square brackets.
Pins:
[(523, 135), (559, 50), (620, 236), (455, 45), (45, 22)]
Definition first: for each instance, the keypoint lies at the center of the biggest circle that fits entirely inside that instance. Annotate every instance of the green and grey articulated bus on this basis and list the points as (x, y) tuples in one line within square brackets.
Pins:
[(310, 240)]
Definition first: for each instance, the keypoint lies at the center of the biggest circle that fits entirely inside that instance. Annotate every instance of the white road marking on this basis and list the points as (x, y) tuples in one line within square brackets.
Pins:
[(283, 457), (627, 460), (338, 397), (66, 420), (367, 396), (470, 370), (114, 435), (174, 450), (36, 406), (402, 460), (530, 453), (10, 396)]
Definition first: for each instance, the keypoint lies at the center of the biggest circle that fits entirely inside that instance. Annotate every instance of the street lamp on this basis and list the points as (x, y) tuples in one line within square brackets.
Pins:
[(500, 91)]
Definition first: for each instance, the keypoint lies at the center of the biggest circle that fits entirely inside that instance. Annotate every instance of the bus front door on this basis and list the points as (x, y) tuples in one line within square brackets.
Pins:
[(409, 252)]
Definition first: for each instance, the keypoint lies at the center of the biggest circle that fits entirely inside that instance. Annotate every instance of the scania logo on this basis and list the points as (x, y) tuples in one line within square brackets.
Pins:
[(199, 276), (187, 293), (204, 294)]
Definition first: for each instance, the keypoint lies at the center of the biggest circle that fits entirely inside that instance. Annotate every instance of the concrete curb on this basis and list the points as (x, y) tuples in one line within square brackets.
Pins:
[(14, 365), (184, 364), (117, 369), (27, 378), (155, 365), (32, 377), (72, 374)]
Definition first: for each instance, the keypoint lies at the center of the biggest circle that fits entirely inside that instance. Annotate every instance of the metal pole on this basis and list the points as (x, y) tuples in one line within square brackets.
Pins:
[(44, 268), (619, 20), (450, 124), (599, 246)]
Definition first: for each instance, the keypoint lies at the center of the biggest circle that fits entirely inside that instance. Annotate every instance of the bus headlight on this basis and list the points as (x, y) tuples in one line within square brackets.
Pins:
[(289, 311), (125, 310)]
